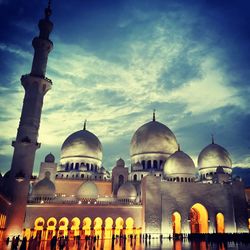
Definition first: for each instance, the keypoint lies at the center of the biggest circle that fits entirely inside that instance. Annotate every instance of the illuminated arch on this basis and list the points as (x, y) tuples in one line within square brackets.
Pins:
[(51, 228), (119, 222), (98, 227), (63, 226), (220, 224), (129, 226), (108, 228), (87, 226), (39, 223), (198, 219), (38, 227), (75, 223), (176, 223)]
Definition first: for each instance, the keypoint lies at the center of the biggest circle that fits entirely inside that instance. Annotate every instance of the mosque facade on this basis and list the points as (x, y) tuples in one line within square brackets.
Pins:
[(161, 192)]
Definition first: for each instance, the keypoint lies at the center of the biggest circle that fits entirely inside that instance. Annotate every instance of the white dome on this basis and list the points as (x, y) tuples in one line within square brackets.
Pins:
[(88, 190), (153, 137), (127, 191), (214, 155), (82, 144), (179, 164), (45, 187)]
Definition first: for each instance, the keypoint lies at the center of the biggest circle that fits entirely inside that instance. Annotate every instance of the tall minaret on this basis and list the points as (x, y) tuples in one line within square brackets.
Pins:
[(36, 86)]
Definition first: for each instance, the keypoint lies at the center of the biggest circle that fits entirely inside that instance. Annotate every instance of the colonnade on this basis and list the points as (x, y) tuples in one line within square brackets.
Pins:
[(98, 227), (198, 220)]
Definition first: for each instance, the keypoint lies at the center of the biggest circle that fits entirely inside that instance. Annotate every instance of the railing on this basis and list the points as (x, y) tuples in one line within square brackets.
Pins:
[(102, 201)]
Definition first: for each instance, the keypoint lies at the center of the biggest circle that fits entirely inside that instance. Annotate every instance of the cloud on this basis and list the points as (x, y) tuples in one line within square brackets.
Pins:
[(166, 58)]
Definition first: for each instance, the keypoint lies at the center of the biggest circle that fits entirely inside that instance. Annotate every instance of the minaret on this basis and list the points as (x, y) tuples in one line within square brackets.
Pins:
[(36, 86)]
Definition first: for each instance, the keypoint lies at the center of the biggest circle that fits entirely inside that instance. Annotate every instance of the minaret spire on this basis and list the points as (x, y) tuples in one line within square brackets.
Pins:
[(179, 147), (212, 137), (48, 10), (85, 124), (153, 115), (36, 86)]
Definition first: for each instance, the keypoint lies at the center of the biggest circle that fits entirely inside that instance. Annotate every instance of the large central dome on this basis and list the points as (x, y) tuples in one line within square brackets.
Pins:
[(82, 144), (153, 137)]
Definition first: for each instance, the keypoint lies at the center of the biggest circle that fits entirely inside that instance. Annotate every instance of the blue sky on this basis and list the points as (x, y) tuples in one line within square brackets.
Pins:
[(115, 61)]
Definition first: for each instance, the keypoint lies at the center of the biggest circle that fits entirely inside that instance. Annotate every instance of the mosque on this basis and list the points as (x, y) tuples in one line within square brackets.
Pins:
[(161, 192)]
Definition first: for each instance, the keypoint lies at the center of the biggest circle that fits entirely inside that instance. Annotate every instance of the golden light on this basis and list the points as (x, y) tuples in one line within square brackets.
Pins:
[(220, 225), (198, 219), (176, 223)]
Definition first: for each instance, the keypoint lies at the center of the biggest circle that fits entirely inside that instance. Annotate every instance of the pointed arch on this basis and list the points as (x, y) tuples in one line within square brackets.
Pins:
[(176, 223), (129, 225), (220, 224), (198, 219), (86, 226), (119, 223)]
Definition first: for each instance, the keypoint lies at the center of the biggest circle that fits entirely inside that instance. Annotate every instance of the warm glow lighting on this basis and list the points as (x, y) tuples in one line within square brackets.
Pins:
[(220, 226), (198, 219), (176, 223)]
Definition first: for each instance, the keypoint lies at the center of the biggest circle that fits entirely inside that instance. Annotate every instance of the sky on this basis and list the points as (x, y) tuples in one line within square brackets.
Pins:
[(113, 62)]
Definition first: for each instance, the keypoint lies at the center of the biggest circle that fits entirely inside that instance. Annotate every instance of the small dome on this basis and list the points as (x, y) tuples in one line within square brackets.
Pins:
[(214, 155), (45, 187), (49, 158), (120, 163), (127, 191), (153, 137), (179, 163), (82, 144), (88, 190)]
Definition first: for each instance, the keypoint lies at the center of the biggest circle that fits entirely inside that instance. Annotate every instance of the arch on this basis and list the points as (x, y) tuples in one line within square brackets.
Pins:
[(38, 227), (129, 225), (67, 167), (71, 166), (98, 227), (176, 223), (51, 228), (75, 223), (86, 226), (91, 167), (148, 164), (220, 224), (108, 228), (77, 166), (87, 165), (155, 164), (63, 226), (135, 177), (82, 176), (143, 164), (39, 223), (119, 222), (198, 219)]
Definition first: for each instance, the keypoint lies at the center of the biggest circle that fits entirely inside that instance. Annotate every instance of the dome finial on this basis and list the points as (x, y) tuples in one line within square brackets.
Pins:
[(85, 124), (212, 136), (153, 115), (48, 10)]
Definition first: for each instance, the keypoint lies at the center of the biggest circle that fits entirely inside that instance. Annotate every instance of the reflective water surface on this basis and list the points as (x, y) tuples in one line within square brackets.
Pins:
[(134, 244)]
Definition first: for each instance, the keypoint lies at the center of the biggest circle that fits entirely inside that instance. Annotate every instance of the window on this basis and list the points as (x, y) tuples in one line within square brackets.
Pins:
[(155, 164), (143, 164), (135, 177), (82, 176), (149, 165), (77, 166)]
